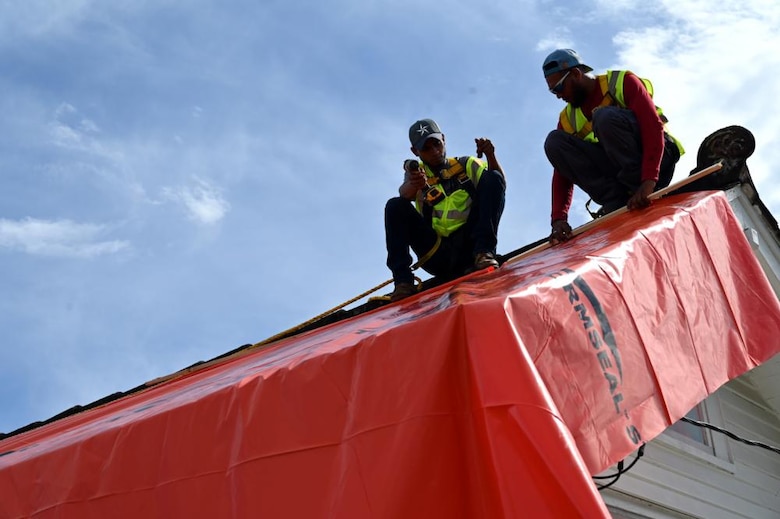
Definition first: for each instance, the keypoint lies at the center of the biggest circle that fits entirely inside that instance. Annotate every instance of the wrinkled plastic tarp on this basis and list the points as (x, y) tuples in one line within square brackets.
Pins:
[(494, 396)]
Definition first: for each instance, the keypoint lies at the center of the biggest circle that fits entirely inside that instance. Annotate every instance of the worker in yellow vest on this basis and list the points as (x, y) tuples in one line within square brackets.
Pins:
[(611, 139), (447, 212)]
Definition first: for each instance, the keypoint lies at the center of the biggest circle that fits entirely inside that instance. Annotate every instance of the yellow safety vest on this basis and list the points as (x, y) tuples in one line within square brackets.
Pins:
[(456, 181), (574, 121)]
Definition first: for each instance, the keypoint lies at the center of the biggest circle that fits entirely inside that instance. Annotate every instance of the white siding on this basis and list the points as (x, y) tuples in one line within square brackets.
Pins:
[(674, 476)]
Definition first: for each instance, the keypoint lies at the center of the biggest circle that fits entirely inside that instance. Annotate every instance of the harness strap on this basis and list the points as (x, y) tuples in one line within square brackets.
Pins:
[(462, 181), (608, 100), (454, 178), (428, 255)]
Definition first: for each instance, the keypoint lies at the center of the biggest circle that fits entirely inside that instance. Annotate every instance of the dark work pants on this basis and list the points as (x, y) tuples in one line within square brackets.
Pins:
[(610, 170), (405, 228)]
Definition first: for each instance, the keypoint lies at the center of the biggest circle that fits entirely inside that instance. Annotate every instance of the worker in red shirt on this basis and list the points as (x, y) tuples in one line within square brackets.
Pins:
[(611, 139)]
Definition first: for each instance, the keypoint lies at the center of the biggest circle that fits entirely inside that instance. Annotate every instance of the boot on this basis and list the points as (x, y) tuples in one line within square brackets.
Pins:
[(484, 260), (402, 290)]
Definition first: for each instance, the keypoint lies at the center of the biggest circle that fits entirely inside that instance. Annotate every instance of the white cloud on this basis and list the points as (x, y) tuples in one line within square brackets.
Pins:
[(708, 63), (61, 238), (74, 132), (560, 41), (203, 202)]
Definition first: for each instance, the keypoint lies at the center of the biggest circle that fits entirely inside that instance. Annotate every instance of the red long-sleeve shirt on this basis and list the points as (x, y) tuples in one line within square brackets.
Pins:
[(651, 128)]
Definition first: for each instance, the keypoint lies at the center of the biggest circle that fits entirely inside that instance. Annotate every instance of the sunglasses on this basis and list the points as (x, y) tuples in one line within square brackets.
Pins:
[(557, 88)]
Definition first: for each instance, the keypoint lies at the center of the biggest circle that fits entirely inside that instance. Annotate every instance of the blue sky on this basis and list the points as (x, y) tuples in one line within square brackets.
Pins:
[(181, 178)]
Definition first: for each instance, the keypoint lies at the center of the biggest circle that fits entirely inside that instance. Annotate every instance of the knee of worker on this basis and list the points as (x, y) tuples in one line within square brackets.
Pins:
[(609, 121), (554, 144), (492, 181), (605, 116), (397, 205)]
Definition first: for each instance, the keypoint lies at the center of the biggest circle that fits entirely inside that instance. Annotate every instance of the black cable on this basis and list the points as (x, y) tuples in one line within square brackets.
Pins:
[(730, 434), (620, 470), (620, 466)]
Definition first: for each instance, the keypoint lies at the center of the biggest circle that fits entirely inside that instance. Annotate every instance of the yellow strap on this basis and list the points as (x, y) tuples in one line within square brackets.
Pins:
[(452, 170), (428, 255)]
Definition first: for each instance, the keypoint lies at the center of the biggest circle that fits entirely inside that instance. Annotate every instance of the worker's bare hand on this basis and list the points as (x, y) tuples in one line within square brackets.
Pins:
[(641, 198), (561, 231), (485, 146)]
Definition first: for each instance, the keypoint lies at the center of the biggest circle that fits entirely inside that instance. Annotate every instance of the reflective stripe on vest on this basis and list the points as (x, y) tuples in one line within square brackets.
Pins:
[(461, 175), (573, 121)]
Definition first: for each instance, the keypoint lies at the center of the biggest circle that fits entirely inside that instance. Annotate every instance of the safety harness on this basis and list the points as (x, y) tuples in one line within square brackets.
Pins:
[(444, 183), (573, 121)]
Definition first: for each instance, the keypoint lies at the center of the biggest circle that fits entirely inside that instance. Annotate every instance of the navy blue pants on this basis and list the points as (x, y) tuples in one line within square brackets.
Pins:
[(405, 228), (610, 170)]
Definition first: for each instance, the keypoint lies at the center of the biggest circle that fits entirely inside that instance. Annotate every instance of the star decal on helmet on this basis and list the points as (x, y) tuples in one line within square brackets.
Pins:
[(422, 130)]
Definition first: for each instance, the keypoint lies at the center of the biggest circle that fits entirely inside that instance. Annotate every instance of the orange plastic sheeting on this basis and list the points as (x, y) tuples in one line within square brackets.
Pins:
[(494, 396)]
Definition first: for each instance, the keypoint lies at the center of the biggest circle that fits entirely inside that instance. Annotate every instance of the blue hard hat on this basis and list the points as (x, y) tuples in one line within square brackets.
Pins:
[(563, 59)]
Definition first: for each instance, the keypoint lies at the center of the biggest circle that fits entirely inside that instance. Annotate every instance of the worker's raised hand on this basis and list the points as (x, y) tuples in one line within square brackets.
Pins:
[(641, 198), (484, 146), (561, 231)]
